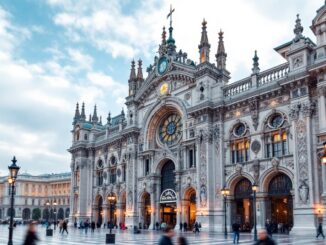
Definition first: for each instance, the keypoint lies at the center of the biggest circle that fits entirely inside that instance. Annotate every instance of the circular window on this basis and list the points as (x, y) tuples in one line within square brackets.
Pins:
[(170, 129), (113, 160), (276, 121), (240, 130)]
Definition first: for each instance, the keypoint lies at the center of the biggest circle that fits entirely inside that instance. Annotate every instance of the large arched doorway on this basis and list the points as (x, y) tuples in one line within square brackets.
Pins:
[(189, 207), (26, 214), (61, 213), (146, 209), (99, 207), (279, 205), (168, 196), (242, 205)]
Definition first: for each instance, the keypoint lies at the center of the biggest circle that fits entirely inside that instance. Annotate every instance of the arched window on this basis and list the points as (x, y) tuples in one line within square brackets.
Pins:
[(113, 176), (167, 179), (276, 136), (240, 143)]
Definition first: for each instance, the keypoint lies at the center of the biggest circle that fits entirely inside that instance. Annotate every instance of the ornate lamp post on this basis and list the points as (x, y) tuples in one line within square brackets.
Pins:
[(13, 172), (55, 214), (254, 189), (110, 238), (225, 192)]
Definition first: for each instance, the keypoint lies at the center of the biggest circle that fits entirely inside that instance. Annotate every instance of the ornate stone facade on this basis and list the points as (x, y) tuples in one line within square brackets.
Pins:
[(189, 131)]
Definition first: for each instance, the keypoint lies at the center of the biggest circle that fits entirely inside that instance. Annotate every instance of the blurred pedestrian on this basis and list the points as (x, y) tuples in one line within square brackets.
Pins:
[(64, 227), (269, 228), (196, 227), (182, 241), (264, 239), (86, 225), (236, 232), (31, 236), (60, 226), (180, 226), (93, 226), (185, 226), (166, 238), (320, 231)]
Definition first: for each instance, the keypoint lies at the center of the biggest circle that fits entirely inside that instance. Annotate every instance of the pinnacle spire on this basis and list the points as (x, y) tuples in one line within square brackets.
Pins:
[(83, 115), (298, 29), (132, 71), (140, 70), (77, 114), (204, 45), (109, 118), (95, 118), (163, 36), (221, 55), (255, 68), (162, 47)]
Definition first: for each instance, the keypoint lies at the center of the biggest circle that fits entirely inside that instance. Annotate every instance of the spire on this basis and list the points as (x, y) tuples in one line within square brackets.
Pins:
[(204, 45), (100, 120), (122, 115), (298, 29), (140, 70), (83, 115), (95, 118), (132, 76), (255, 68), (109, 118), (77, 114), (162, 47), (163, 36), (220, 55)]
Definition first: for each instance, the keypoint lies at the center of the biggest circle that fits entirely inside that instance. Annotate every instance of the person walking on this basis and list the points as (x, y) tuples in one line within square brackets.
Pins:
[(185, 226), (31, 236), (157, 226), (180, 226), (86, 225), (60, 226), (92, 226), (182, 241), (264, 239), (320, 231), (64, 227), (236, 232), (166, 238), (269, 228), (196, 227)]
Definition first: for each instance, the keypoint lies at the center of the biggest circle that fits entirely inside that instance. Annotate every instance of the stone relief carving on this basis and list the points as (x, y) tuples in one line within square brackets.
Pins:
[(238, 168), (304, 192), (130, 200), (203, 196), (253, 105), (275, 162), (255, 146), (204, 136), (255, 168)]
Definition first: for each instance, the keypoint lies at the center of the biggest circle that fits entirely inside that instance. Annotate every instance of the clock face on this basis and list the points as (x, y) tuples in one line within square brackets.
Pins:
[(162, 65), (170, 129), (164, 89)]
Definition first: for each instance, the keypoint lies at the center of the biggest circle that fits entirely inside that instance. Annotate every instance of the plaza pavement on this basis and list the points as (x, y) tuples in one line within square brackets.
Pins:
[(77, 236)]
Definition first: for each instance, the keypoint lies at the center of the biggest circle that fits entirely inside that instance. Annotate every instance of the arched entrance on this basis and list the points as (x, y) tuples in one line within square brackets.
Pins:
[(279, 205), (99, 208), (123, 208), (26, 214), (189, 207), (46, 214), (61, 213), (146, 210), (168, 197), (242, 205)]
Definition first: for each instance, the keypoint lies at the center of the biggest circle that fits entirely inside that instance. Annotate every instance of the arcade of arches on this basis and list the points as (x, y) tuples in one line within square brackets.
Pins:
[(276, 202)]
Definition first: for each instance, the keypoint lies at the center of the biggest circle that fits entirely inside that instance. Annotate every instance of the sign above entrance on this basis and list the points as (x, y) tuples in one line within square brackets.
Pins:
[(168, 196)]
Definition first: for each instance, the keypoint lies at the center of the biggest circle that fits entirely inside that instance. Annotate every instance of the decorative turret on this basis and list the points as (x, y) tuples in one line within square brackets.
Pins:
[(298, 29), (77, 115), (140, 77), (132, 79), (221, 55), (204, 45), (255, 67), (95, 118), (83, 115)]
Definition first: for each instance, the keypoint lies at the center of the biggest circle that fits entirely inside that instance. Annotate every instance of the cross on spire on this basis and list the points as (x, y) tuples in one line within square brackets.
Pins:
[(170, 15)]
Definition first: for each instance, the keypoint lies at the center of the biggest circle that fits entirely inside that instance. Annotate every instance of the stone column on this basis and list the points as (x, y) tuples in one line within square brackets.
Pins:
[(152, 224), (322, 106), (73, 186), (261, 211), (118, 213)]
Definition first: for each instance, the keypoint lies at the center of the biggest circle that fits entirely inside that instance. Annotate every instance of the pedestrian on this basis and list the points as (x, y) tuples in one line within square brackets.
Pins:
[(64, 227), (320, 231), (196, 227), (264, 239), (60, 226), (157, 226), (31, 236), (180, 226), (269, 228), (185, 226), (166, 238), (182, 241), (93, 226), (236, 232), (86, 225)]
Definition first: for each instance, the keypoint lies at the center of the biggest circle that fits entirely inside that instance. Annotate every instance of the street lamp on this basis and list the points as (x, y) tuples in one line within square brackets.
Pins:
[(323, 158), (55, 214), (13, 172), (254, 189), (110, 238), (225, 192)]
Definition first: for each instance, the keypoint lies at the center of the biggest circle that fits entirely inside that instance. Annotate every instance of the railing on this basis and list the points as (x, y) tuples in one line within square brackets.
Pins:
[(273, 74), (265, 77), (238, 87)]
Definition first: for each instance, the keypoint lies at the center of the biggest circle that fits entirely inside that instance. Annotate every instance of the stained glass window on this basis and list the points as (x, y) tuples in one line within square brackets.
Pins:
[(170, 129)]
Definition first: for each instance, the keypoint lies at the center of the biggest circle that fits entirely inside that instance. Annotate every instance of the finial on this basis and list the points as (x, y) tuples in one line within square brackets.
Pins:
[(204, 45), (83, 115), (14, 160), (170, 15), (132, 71), (204, 23), (77, 114), (255, 68), (298, 29), (109, 118), (221, 55), (163, 36), (95, 118)]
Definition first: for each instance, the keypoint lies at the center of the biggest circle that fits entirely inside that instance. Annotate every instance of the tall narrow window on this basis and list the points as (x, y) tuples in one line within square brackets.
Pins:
[(191, 158), (147, 167)]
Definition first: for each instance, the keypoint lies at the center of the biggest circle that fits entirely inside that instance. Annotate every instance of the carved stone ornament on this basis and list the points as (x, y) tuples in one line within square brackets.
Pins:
[(238, 168), (253, 105), (255, 168), (130, 200), (203, 196), (304, 192), (275, 162), (255, 146)]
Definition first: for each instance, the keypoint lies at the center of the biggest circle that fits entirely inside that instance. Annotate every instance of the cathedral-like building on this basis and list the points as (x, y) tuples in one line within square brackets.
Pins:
[(188, 132)]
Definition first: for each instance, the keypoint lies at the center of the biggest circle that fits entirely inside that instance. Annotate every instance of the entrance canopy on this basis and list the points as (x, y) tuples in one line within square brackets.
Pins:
[(168, 196)]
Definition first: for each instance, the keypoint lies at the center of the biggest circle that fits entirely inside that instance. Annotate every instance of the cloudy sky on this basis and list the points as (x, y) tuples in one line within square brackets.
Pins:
[(54, 53)]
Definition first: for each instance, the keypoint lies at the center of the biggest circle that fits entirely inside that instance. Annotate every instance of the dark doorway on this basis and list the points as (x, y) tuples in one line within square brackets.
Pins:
[(168, 213)]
